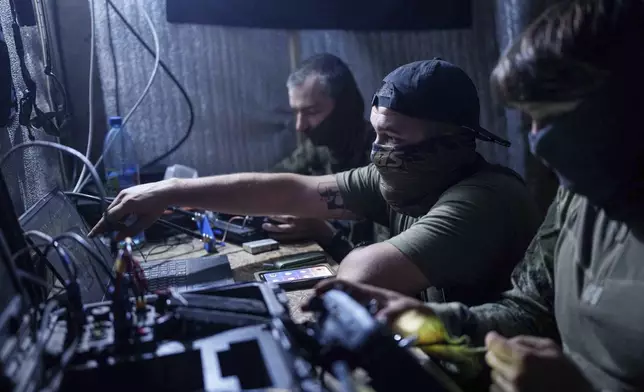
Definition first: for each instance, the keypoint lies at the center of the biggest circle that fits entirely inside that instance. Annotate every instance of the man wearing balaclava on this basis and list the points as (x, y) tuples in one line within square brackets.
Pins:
[(574, 319), (458, 223), (329, 113)]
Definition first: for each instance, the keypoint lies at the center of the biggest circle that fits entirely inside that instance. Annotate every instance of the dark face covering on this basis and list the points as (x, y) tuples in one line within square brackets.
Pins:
[(330, 131), (344, 126), (597, 151), (412, 178)]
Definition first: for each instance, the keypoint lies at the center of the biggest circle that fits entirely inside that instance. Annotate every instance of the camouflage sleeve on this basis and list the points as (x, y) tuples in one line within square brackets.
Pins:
[(528, 308), (305, 158)]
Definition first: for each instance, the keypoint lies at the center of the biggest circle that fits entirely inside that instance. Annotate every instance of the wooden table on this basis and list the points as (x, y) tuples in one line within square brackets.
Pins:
[(244, 265)]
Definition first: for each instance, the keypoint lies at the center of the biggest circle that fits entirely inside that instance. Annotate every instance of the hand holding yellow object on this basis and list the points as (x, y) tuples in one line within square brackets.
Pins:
[(433, 338)]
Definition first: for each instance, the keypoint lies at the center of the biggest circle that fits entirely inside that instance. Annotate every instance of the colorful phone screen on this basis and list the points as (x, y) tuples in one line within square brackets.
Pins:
[(304, 273)]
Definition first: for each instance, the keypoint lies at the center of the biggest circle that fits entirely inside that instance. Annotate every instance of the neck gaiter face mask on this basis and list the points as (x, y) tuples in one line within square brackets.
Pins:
[(412, 178)]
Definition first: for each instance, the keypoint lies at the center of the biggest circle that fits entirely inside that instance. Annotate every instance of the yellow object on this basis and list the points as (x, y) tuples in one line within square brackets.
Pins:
[(140, 304), (119, 266), (426, 328), (434, 340)]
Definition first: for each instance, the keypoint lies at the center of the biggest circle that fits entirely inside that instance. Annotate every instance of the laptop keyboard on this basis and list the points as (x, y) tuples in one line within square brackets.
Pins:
[(172, 273)]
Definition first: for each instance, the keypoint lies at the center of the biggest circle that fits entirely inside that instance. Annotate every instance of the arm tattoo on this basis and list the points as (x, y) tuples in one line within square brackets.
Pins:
[(330, 194)]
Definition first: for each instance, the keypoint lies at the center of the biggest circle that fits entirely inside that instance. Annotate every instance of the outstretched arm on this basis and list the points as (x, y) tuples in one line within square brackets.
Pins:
[(244, 193)]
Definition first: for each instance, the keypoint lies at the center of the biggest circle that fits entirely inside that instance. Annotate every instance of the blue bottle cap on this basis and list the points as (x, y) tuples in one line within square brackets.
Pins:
[(115, 121)]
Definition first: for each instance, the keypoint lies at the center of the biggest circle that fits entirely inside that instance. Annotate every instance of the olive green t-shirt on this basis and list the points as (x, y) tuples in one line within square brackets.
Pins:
[(468, 242)]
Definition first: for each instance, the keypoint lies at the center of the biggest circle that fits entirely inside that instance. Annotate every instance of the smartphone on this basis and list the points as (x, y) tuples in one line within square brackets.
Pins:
[(296, 278), (298, 260)]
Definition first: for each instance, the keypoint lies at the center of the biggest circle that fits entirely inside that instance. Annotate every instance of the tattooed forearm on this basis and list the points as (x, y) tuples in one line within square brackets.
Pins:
[(330, 194)]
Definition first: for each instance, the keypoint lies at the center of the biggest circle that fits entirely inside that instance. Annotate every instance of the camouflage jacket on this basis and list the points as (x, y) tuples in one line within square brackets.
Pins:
[(309, 159), (595, 263)]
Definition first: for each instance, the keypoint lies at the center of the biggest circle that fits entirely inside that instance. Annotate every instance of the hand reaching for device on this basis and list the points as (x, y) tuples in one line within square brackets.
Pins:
[(291, 228), (145, 202), (389, 304), (411, 318)]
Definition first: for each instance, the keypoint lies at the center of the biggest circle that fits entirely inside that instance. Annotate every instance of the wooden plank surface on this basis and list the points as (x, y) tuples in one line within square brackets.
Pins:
[(244, 265)]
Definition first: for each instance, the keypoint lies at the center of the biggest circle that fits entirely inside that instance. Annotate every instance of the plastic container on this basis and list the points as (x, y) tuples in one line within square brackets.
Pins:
[(121, 164)]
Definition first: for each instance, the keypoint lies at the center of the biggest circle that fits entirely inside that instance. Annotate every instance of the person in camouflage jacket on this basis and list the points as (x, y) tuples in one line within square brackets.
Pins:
[(573, 320)]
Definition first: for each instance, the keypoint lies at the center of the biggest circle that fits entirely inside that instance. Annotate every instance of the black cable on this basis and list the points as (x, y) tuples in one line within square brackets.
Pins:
[(28, 101), (178, 228), (174, 80), (92, 252), (88, 248), (160, 221), (145, 260), (61, 253), (42, 257), (20, 49), (168, 246), (34, 279), (96, 274), (48, 71)]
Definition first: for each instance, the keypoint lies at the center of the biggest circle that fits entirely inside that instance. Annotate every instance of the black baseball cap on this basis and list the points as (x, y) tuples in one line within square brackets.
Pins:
[(434, 90)]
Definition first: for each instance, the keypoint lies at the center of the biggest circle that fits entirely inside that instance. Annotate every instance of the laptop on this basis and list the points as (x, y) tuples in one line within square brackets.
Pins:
[(55, 214)]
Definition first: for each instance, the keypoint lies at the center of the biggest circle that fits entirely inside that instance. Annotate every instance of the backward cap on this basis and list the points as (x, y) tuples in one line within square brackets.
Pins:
[(434, 90)]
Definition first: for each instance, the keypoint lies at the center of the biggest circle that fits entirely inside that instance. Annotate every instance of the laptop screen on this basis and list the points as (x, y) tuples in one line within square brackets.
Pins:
[(55, 214)]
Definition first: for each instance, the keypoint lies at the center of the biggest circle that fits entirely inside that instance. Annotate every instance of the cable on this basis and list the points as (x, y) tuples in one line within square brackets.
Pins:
[(157, 60), (44, 40), (178, 228), (172, 77), (161, 221), (67, 150), (145, 260), (87, 197), (110, 39), (155, 70), (182, 90), (234, 218), (34, 279), (46, 48), (51, 242), (58, 276), (168, 247), (90, 134), (92, 252)]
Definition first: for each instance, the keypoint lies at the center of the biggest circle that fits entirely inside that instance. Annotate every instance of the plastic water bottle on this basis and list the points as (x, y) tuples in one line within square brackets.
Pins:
[(121, 164)]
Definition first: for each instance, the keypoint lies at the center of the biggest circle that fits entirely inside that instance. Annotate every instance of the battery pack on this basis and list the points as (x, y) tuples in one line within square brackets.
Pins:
[(260, 246)]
